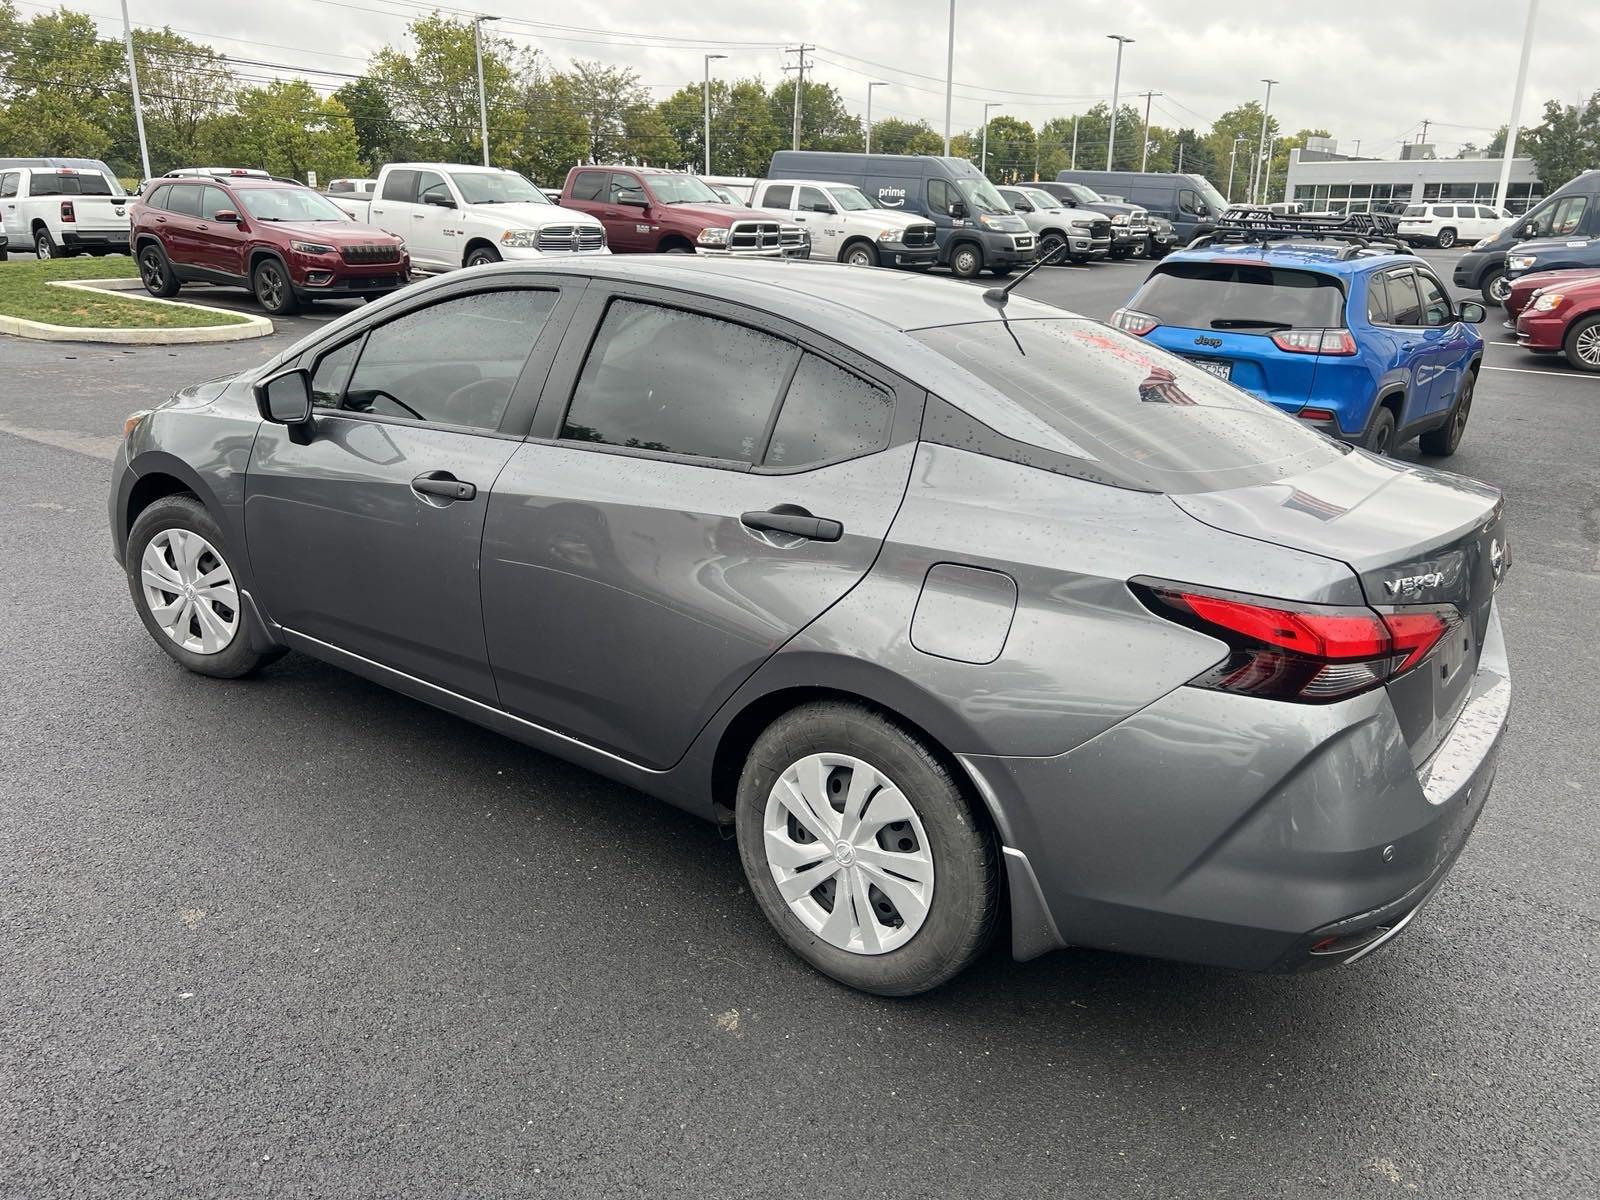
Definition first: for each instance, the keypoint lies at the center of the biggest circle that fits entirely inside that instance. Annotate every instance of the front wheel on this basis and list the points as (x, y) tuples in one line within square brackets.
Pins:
[(1447, 238), (482, 256), (863, 851), (1120, 253), (860, 254), (270, 282), (1496, 287), (156, 272), (1442, 442), (1050, 244), (966, 260), (1001, 272), (1582, 344)]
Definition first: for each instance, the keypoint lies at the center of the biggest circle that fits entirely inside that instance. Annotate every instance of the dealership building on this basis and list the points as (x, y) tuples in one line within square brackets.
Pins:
[(1320, 176)]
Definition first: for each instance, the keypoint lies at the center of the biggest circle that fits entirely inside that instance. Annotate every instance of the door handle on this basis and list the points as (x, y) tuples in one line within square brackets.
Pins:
[(419, 216), (443, 486), (794, 520)]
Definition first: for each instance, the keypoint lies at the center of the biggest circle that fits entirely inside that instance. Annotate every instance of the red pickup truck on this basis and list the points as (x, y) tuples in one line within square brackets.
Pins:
[(649, 211)]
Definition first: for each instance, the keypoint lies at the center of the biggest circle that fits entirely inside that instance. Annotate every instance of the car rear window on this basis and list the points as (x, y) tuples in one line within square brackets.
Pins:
[(1241, 297), (1416, 210), (70, 183), (1107, 406)]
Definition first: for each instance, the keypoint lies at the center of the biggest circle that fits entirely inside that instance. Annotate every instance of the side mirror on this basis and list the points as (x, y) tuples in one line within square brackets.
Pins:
[(1022, 206), (438, 199), (958, 211), (285, 399), (632, 201), (823, 209), (225, 216), (1472, 312)]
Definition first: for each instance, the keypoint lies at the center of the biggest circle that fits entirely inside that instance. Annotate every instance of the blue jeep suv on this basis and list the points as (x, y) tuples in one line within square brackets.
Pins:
[(1359, 340)]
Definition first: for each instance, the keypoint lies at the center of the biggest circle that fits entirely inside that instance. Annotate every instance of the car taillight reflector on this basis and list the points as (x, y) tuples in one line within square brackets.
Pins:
[(1316, 414), (1312, 654), (1315, 341), (67, 212), (1131, 321)]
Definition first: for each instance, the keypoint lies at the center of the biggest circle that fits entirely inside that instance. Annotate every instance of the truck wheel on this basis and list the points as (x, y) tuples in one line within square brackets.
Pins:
[(44, 246), (1496, 287), (1582, 344), (1050, 244), (483, 256), (966, 260), (860, 254), (1447, 238), (270, 282)]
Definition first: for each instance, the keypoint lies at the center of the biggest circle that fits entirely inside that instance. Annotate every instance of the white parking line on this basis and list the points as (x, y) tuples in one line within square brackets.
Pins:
[(1557, 374)]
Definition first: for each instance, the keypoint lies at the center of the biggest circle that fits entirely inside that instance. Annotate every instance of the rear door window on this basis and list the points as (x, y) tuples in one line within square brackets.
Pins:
[(777, 197), (589, 185), (1405, 306), (1241, 297), (8, 185), (184, 199), (400, 186), (1378, 302), (828, 415)]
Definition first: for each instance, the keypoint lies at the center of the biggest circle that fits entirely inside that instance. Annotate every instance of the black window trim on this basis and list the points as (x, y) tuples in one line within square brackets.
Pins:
[(1390, 273)]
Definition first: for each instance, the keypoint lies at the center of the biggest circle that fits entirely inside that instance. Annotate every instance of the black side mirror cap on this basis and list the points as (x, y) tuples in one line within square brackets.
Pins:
[(436, 199), (285, 398), (1472, 312)]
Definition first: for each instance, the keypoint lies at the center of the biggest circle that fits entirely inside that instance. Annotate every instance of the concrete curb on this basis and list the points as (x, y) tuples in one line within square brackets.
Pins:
[(248, 326)]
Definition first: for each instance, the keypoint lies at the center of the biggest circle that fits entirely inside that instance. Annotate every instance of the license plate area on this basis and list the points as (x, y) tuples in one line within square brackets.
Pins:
[(1213, 366)]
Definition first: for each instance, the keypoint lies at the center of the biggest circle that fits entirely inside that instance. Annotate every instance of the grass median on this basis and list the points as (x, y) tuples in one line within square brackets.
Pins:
[(25, 292)]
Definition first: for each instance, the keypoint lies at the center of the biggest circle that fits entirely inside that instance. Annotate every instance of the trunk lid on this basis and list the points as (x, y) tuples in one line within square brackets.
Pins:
[(1413, 536), (1248, 360)]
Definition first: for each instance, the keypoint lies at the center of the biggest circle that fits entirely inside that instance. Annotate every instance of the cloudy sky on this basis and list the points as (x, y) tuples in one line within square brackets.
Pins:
[(1365, 69)]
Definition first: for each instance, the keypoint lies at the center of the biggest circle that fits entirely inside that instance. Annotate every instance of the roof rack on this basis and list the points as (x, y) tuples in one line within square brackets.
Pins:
[(1364, 232)]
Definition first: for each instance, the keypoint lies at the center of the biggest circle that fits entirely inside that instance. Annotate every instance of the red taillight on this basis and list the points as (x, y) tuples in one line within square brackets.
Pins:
[(1313, 654), (1315, 341), (1316, 414), (67, 213), (1131, 321)]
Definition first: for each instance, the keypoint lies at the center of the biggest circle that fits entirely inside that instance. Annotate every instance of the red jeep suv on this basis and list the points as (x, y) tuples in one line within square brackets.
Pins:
[(284, 242)]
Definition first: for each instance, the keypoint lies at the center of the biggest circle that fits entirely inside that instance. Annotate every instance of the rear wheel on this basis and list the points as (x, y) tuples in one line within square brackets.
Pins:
[(1442, 442), (863, 851), (44, 246), (1582, 344), (159, 278), (861, 254), (966, 260), (270, 282), (1380, 438), (1447, 238), (1496, 287)]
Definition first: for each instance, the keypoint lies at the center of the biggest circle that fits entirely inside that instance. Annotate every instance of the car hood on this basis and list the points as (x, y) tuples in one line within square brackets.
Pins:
[(894, 220), (716, 214), (1537, 280), (532, 216), (333, 233), (1112, 207), (1555, 245)]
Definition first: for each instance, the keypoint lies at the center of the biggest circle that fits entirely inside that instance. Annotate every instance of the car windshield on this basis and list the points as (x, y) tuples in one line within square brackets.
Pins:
[(1208, 193), (496, 187), (1133, 415), (680, 189), (850, 199), (981, 196), (289, 204), (1039, 198), (1240, 296), (69, 183), (1082, 194)]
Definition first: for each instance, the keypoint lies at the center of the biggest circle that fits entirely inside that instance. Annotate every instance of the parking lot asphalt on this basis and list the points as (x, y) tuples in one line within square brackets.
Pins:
[(299, 936)]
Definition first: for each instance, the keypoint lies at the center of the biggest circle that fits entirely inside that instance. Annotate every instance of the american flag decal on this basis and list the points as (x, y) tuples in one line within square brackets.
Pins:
[(1322, 510), (1161, 387)]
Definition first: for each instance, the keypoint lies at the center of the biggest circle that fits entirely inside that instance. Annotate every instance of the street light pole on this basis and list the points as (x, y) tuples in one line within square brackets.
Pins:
[(877, 83), (138, 105), (483, 101), (984, 168), (1516, 107), (1116, 94), (709, 57), (1255, 169), (1074, 143), (949, 77)]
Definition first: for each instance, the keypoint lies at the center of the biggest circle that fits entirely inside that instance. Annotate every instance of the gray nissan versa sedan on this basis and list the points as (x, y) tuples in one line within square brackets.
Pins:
[(945, 600)]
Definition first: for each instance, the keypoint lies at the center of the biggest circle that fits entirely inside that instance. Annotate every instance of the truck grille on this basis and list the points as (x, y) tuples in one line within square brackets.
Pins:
[(764, 237), (918, 236), (370, 253), (1100, 229), (570, 239)]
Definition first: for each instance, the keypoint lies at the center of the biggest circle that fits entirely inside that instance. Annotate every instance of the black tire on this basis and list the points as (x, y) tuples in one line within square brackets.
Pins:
[(678, 248), (186, 513), (966, 261), (1496, 287), (159, 278), (1120, 253), (961, 917), (1582, 344), (1051, 243), (5, 253), (1447, 238), (1079, 260), (1001, 272), (44, 246), (482, 256), (1442, 442), (273, 289), (860, 254), (1380, 436)]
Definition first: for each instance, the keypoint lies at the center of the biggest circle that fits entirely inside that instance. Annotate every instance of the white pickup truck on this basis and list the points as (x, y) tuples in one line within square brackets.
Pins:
[(458, 216), (58, 212), (847, 227)]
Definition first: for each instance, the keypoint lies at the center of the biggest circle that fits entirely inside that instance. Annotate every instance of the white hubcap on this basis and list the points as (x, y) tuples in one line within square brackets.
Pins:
[(190, 592), (848, 853)]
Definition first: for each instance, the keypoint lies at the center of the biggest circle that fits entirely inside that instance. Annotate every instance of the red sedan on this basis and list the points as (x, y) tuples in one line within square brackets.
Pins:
[(1523, 289), (1565, 317)]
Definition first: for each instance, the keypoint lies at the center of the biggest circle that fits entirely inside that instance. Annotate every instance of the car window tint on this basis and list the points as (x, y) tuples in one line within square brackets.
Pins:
[(1377, 302), (1405, 308), (677, 382), (778, 197), (8, 185), (453, 363), (1436, 308), (157, 198), (331, 373), (1486, 214), (1568, 216), (400, 186), (940, 196), (212, 201), (184, 199), (1240, 297), (828, 415), (812, 200), (1415, 210), (588, 185), (431, 183)]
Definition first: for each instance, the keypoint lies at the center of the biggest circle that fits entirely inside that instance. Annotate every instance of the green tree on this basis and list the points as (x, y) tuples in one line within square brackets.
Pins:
[(605, 97), (286, 128), (895, 136), (1565, 143), (1012, 145), (1055, 148), (824, 122), (380, 136), (63, 88), (1192, 155), (549, 134), (433, 91), (1243, 122), (183, 86)]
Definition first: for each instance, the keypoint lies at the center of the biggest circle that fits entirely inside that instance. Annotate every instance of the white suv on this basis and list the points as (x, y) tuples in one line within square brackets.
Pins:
[(1446, 224)]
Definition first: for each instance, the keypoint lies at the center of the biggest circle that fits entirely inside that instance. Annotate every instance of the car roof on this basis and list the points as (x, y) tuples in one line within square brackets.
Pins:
[(1317, 256)]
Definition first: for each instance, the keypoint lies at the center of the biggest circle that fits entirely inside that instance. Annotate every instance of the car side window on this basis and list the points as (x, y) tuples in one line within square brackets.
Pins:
[(1189, 201), (452, 363), (400, 186), (778, 197), (157, 197), (184, 199), (828, 415), (1568, 216), (431, 183), (8, 185), (940, 196), (1486, 214), (212, 201), (331, 373), (677, 382), (1436, 308), (1378, 303), (1404, 306), (812, 200), (625, 189), (588, 185)]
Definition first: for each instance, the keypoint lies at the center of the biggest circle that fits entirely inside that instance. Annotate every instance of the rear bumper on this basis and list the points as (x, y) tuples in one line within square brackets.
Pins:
[(1540, 331), (1242, 833), (95, 239)]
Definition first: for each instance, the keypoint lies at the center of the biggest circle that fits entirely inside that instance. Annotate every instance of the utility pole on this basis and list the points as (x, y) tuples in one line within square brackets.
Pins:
[(1266, 178), (483, 103), (984, 168), (1116, 95), (799, 84), (1180, 156), (1516, 109), (1261, 142), (1423, 136), (709, 57), (870, 86), (138, 105), (1233, 154), (1357, 154), (1144, 157), (949, 77), (1074, 143)]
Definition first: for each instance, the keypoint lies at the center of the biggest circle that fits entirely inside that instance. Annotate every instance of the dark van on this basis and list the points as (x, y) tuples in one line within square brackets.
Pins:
[(1190, 202), (977, 231), (1574, 209)]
